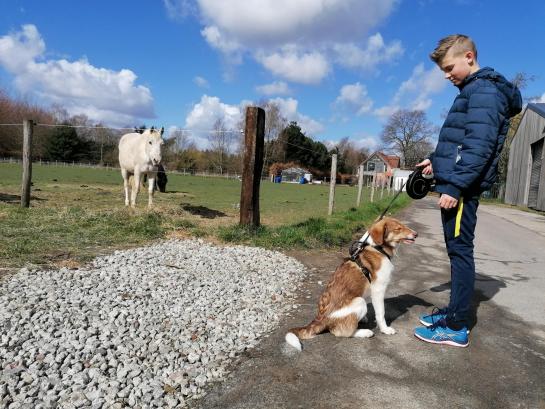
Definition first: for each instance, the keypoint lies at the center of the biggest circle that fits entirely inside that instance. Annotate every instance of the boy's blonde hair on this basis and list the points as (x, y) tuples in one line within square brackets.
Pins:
[(460, 42)]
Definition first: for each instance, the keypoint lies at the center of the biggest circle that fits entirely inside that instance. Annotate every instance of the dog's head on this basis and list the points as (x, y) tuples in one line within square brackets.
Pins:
[(390, 232)]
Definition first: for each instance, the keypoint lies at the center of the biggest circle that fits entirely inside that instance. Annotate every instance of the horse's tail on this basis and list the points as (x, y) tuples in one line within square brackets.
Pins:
[(295, 335)]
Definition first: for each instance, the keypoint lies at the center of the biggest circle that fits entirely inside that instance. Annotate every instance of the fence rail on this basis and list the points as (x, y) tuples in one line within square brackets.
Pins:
[(98, 166)]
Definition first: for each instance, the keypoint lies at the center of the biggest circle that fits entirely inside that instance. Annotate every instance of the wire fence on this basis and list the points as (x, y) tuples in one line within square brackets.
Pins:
[(185, 172)]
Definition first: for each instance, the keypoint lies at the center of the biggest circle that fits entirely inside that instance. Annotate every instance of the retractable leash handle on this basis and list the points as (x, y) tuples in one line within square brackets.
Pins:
[(418, 184)]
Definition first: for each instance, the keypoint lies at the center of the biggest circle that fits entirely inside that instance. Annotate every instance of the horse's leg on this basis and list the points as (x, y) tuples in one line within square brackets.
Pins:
[(135, 186), (126, 185), (151, 187)]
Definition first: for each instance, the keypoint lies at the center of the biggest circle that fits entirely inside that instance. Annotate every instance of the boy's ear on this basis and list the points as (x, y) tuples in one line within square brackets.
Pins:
[(470, 57), (377, 233)]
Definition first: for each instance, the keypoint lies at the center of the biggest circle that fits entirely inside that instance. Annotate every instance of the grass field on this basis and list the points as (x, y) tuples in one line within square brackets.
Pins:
[(79, 212)]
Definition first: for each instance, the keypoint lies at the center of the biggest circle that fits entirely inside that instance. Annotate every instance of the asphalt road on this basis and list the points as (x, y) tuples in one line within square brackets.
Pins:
[(504, 366)]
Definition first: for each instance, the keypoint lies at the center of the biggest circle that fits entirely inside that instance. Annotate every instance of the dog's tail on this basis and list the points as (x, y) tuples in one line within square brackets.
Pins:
[(295, 335)]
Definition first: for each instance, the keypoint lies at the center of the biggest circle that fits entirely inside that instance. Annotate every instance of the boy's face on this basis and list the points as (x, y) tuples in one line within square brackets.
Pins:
[(457, 66)]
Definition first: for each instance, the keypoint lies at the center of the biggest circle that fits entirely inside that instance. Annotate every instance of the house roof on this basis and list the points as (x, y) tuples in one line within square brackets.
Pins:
[(539, 108), (391, 160)]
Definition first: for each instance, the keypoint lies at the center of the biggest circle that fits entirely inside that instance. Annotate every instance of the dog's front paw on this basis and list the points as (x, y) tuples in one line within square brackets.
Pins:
[(388, 330)]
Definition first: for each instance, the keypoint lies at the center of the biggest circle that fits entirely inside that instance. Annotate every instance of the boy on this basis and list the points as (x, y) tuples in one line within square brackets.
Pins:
[(464, 165)]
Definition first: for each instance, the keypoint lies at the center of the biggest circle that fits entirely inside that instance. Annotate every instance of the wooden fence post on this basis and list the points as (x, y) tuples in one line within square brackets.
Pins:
[(28, 127), (373, 186), (332, 181), (254, 137), (360, 185)]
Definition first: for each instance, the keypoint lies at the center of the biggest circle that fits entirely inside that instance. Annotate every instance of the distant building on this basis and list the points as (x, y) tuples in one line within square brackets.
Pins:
[(400, 178), (525, 185), (294, 175), (381, 164)]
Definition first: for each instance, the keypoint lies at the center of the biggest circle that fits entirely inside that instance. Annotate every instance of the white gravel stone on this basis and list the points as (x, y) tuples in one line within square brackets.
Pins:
[(150, 326)]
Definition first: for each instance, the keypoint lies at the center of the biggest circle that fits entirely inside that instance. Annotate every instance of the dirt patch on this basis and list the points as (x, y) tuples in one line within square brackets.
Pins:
[(202, 211)]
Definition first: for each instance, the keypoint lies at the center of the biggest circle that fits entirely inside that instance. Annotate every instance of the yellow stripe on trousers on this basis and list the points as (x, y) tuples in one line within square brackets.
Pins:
[(459, 217)]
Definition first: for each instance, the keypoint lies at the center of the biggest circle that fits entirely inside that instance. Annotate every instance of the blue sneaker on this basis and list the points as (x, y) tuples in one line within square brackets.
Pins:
[(436, 315), (439, 333)]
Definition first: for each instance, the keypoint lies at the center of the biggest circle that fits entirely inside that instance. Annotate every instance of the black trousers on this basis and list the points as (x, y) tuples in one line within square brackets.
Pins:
[(459, 231)]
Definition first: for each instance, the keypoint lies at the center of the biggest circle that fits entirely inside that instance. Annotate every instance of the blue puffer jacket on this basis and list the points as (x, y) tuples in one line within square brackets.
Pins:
[(466, 158)]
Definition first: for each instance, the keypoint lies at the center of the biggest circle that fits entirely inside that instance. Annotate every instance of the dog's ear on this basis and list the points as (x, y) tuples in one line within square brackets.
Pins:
[(377, 233)]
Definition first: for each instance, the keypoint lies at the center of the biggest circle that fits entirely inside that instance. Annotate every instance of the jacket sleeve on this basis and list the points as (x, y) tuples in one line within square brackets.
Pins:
[(479, 144)]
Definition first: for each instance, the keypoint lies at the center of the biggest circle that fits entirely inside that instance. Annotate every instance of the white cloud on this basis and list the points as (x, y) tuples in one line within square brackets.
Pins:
[(325, 31), (275, 88), (416, 92), (369, 142), (278, 22), (208, 110), (102, 94), (541, 99), (359, 141), (386, 111), (200, 120), (288, 109), (376, 52), (354, 98), (179, 9), (201, 82), (306, 68), (230, 48)]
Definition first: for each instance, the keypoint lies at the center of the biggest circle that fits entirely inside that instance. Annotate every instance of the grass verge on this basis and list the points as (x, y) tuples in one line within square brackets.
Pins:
[(315, 232)]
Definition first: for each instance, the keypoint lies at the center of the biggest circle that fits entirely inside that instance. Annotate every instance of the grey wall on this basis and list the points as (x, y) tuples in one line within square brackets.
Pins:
[(529, 131)]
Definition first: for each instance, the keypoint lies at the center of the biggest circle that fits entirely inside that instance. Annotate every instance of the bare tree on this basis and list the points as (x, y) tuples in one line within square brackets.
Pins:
[(220, 139), (182, 138), (408, 133), (275, 123)]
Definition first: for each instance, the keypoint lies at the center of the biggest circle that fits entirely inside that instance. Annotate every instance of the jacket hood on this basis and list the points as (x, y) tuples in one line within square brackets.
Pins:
[(510, 91)]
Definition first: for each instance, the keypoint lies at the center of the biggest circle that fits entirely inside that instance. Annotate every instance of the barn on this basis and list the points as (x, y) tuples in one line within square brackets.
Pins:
[(525, 185)]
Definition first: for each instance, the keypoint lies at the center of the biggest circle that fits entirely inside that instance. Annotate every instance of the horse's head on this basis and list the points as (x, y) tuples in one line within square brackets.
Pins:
[(153, 142)]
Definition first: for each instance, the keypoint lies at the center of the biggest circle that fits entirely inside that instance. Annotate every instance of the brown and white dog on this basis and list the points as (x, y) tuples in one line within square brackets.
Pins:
[(342, 304)]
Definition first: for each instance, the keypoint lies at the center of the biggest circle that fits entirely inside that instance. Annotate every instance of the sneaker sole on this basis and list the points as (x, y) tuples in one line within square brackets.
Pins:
[(451, 343), (426, 324)]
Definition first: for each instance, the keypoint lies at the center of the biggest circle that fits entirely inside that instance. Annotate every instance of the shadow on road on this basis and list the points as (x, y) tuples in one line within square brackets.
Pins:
[(395, 307), (486, 288)]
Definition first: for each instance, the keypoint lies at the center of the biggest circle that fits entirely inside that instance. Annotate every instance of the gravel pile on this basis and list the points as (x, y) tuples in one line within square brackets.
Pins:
[(147, 327)]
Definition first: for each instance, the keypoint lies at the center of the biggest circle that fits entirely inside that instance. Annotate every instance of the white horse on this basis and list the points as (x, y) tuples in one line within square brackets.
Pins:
[(139, 155)]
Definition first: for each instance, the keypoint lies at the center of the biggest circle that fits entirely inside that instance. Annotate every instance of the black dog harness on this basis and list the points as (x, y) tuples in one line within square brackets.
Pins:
[(354, 257), (357, 247)]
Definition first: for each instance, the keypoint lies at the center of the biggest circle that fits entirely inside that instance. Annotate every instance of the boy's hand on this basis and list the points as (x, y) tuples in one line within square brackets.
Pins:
[(447, 202), (426, 165)]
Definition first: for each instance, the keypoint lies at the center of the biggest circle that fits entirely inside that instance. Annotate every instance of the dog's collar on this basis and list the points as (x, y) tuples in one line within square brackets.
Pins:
[(381, 250), (361, 245)]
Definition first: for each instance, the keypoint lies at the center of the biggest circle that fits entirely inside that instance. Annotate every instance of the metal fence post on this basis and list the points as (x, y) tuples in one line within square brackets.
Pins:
[(332, 181), (28, 128)]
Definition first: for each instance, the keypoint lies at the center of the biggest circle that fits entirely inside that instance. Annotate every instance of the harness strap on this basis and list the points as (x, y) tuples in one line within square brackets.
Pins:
[(381, 250), (363, 269)]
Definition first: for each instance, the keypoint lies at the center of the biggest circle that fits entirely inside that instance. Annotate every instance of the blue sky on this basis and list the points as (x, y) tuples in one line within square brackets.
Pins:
[(337, 67)]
